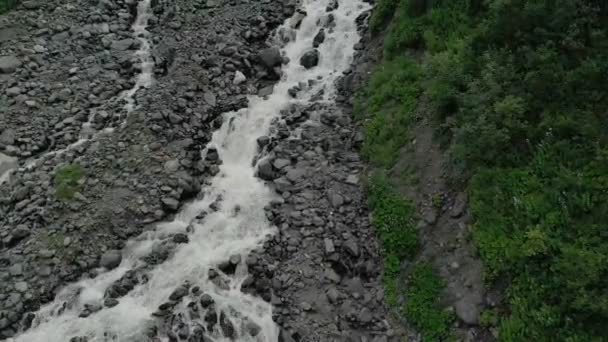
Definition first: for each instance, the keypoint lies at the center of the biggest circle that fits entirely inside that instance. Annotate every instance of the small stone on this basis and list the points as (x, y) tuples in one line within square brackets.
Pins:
[(329, 246), (170, 204), (239, 78), (178, 294), (351, 247)]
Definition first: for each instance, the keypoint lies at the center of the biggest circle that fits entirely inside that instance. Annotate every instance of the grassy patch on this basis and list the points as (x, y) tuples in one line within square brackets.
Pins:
[(392, 217), (67, 181), (422, 307), (7, 5)]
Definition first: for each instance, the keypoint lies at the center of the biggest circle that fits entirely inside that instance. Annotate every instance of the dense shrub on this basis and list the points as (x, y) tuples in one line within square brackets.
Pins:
[(67, 181), (6, 5), (517, 88)]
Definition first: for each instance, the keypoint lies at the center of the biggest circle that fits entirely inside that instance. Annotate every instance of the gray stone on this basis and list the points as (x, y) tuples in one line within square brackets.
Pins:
[(171, 165), (170, 203), (329, 246), (295, 175), (460, 205), (239, 78), (110, 259), (21, 286), (179, 293), (319, 38), (351, 247), (263, 141), (209, 98), (122, 45), (280, 163), (265, 170), (335, 199), (468, 309), (8, 64), (270, 57), (266, 91), (16, 270), (310, 58), (13, 91)]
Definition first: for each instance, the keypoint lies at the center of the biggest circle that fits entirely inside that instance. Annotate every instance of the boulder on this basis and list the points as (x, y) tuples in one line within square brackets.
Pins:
[(270, 57), (110, 259), (310, 59), (8, 64)]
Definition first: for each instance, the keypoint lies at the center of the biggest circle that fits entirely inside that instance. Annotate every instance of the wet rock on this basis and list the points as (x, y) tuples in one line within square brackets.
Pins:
[(263, 141), (265, 170), (110, 259), (227, 326), (180, 238), (319, 38), (206, 300), (310, 58), (297, 18), (178, 293)]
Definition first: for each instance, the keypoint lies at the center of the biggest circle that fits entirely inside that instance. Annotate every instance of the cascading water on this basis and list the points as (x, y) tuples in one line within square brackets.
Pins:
[(144, 79), (238, 226)]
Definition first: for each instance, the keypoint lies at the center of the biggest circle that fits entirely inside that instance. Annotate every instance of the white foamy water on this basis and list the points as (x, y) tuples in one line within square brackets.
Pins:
[(220, 234), (144, 79)]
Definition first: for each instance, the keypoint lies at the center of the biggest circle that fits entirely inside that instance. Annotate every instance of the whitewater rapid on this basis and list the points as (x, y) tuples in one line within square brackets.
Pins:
[(236, 228)]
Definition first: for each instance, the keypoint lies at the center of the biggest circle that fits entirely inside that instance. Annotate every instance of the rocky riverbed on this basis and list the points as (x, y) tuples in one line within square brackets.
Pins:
[(66, 70)]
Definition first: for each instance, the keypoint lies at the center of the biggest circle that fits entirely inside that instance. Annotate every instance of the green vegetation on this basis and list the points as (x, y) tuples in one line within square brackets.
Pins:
[(422, 307), (67, 181), (392, 219), (6, 5), (517, 88), (389, 105)]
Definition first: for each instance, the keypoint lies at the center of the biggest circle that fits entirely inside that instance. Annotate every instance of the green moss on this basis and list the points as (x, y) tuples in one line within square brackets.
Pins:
[(422, 304), (67, 181)]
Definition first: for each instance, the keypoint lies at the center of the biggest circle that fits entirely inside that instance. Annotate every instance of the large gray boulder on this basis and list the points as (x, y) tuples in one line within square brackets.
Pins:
[(270, 57), (8, 64), (111, 259), (310, 58)]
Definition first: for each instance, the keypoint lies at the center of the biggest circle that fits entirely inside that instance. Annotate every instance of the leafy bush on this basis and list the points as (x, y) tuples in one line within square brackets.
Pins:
[(67, 181), (422, 307), (383, 11), (392, 219), (389, 102), (518, 91)]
